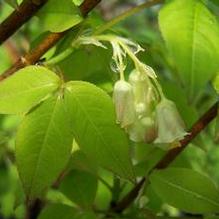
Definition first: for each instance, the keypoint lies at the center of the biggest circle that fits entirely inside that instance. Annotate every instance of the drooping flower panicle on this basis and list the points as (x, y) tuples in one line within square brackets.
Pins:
[(141, 107), (146, 118), (169, 122)]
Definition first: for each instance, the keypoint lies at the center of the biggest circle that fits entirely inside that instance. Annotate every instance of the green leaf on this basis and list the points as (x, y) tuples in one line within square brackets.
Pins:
[(211, 217), (216, 83), (191, 33), (55, 196), (43, 146), (5, 60), (177, 94), (12, 3), (86, 215), (80, 187), (215, 2), (186, 189), (78, 2), (97, 69), (7, 204), (80, 161), (25, 89), (58, 211), (95, 129), (58, 16), (104, 193), (154, 202)]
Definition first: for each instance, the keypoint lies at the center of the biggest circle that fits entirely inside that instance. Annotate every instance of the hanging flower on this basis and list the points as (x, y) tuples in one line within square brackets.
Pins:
[(170, 125), (135, 102), (143, 130), (136, 131), (143, 92), (124, 103), (140, 85), (150, 129)]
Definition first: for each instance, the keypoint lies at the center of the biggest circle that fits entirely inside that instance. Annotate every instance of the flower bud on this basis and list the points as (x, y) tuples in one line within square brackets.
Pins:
[(170, 124), (124, 103)]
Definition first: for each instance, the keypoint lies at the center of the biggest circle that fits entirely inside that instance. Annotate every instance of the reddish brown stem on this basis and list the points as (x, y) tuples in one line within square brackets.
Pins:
[(18, 17), (87, 6), (33, 56), (170, 156)]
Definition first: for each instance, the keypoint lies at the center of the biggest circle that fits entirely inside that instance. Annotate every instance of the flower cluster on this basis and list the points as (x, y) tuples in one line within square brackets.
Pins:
[(141, 107), (144, 112)]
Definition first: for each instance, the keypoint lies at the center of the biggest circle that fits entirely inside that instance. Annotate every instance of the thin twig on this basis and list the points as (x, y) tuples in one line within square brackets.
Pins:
[(129, 198), (106, 26), (33, 56), (169, 157), (53, 38), (18, 17)]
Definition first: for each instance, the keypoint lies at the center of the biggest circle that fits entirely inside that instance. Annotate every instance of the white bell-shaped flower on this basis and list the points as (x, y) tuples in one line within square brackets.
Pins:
[(124, 103), (170, 125), (150, 129), (143, 130), (140, 109), (136, 131), (139, 83), (143, 92)]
